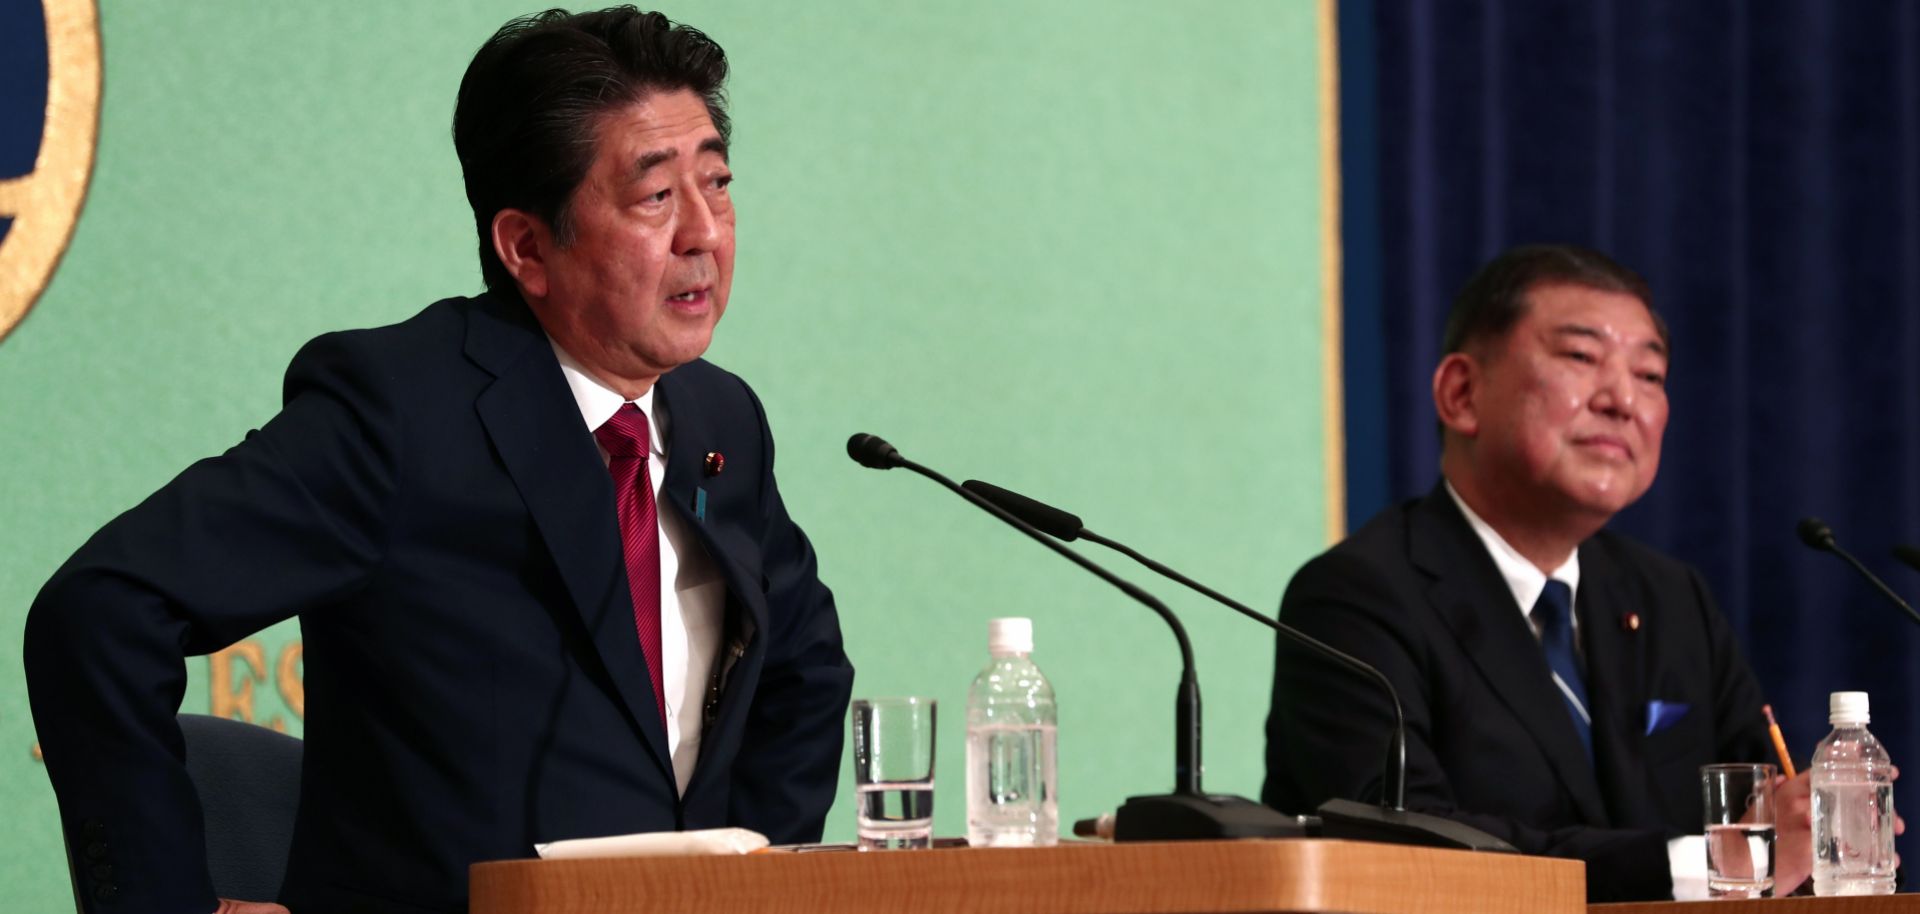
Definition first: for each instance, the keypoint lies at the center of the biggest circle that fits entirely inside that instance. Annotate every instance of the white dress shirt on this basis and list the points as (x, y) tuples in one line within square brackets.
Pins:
[(1687, 855), (1523, 578), (691, 609)]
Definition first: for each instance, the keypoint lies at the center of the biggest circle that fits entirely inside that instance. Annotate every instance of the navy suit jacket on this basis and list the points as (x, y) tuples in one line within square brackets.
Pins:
[(431, 507), (1490, 741)]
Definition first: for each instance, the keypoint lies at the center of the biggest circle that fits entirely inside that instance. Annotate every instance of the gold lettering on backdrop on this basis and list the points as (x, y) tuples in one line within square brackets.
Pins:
[(235, 699), (232, 690), (293, 689)]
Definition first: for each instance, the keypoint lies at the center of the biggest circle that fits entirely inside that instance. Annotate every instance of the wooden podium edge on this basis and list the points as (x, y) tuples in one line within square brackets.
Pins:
[(1171, 878)]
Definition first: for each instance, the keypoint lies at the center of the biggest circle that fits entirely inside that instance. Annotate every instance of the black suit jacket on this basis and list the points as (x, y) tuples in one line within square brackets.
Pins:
[(431, 507), (1490, 741)]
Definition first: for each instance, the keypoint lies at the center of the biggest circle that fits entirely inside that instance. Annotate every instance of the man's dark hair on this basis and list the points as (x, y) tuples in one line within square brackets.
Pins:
[(1496, 297), (530, 105)]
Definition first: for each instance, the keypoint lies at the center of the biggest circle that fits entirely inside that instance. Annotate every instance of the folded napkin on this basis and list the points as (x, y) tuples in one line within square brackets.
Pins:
[(709, 842)]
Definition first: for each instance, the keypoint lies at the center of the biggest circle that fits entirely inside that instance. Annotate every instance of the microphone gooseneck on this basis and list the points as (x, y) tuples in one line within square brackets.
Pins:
[(1049, 519), (1394, 790), (872, 451), (1817, 535), (1388, 822)]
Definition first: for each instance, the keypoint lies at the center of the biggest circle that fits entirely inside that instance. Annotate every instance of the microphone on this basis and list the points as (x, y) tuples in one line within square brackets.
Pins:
[(1390, 822), (873, 452), (1908, 554), (1818, 536), (1188, 813)]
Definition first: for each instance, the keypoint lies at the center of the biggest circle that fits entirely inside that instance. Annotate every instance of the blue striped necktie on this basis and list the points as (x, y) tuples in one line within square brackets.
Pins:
[(1553, 613)]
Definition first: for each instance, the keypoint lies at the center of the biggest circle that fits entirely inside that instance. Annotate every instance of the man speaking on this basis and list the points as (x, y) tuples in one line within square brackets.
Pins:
[(1562, 684), (546, 583)]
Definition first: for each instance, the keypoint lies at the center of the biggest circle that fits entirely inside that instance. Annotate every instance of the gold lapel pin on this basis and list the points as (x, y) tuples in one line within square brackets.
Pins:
[(1630, 622)]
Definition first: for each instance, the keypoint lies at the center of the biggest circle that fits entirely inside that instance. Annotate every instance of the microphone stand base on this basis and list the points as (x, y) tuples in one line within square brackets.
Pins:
[(1197, 817), (1354, 821)]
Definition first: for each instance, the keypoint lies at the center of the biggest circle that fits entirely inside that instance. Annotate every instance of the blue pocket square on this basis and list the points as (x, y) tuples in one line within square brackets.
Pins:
[(1664, 714)]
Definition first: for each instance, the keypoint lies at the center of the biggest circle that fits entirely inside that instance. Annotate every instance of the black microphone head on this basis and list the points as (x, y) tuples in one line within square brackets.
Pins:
[(1816, 534), (1908, 554), (873, 452), (1044, 517)]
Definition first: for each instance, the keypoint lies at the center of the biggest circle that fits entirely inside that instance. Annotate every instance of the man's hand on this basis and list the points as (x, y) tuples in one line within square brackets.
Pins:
[(229, 906), (1792, 832), (1899, 824)]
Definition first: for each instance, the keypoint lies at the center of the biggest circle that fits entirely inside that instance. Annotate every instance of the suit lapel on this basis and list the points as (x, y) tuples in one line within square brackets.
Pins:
[(690, 438), (1466, 589), (687, 438), (1616, 685), (529, 416)]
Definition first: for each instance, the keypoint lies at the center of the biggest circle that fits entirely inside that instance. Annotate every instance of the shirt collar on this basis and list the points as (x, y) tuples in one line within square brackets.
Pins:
[(1523, 578), (597, 402)]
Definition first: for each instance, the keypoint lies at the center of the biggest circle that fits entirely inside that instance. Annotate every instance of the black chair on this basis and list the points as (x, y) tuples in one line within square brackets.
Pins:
[(248, 778)]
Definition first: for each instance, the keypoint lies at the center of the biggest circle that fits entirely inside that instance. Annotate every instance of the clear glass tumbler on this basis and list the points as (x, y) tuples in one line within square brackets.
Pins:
[(1740, 830), (893, 745)]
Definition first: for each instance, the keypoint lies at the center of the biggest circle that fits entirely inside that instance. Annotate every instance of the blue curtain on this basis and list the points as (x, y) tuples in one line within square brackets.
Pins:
[(1759, 163)]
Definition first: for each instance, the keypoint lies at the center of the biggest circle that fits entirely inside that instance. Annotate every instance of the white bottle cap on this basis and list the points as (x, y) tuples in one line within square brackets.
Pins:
[(1848, 709), (1009, 636)]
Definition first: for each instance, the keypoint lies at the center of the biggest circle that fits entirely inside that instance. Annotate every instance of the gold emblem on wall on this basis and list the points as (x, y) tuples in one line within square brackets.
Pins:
[(235, 671), (38, 207)]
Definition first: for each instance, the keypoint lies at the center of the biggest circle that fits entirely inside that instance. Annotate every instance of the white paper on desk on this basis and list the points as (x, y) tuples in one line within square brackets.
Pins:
[(712, 842)]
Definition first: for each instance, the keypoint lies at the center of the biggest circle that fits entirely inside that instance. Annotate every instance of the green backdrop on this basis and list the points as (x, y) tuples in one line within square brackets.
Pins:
[(1071, 247)]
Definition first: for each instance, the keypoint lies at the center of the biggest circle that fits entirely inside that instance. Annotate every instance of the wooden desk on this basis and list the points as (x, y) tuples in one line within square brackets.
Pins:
[(1172, 878)]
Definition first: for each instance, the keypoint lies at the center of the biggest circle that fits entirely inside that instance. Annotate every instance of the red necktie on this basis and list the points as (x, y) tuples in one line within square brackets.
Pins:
[(625, 439)]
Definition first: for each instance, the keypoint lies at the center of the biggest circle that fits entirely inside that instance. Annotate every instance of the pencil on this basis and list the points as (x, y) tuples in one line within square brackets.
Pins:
[(1779, 741)]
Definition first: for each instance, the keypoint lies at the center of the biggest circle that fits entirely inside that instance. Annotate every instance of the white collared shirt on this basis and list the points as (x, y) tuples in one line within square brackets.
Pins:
[(1523, 578), (691, 609)]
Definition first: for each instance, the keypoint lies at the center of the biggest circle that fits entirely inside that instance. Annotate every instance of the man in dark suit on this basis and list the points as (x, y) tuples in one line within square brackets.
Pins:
[(519, 627), (1562, 684)]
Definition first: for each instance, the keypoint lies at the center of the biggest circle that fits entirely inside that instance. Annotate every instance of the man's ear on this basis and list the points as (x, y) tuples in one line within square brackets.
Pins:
[(522, 241), (1456, 388)]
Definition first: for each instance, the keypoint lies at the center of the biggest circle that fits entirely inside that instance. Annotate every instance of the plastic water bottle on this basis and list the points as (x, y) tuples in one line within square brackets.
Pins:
[(1852, 805), (1011, 739)]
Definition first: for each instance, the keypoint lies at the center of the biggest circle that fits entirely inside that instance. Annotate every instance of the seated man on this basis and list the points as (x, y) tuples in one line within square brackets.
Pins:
[(546, 582), (1562, 684)]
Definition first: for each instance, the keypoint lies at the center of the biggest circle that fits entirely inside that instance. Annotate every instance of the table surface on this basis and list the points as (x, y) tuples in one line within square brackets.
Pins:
[(1145, 878)]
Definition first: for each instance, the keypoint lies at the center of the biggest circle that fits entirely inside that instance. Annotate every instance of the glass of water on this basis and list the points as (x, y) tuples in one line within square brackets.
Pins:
[(1739, 804), (893, 772)]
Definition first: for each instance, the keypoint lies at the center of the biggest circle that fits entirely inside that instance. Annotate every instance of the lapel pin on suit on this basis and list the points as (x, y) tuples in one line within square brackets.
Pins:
[(710, 467), (1630, 622)]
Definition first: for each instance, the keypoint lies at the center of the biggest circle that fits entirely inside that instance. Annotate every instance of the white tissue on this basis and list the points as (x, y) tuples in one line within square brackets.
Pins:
[(706, 843)]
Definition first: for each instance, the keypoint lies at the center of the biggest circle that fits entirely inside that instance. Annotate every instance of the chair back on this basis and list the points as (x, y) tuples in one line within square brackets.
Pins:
[(248, 778)]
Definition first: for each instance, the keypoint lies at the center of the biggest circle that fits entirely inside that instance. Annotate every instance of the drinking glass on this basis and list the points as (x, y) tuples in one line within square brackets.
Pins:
[(1739, 821), (893, 772)]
